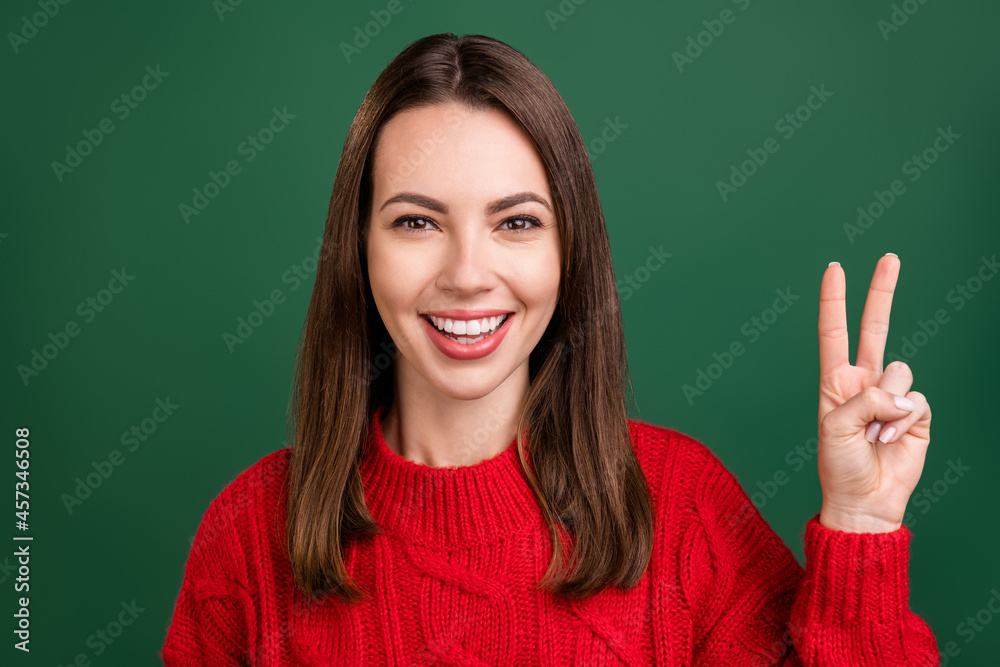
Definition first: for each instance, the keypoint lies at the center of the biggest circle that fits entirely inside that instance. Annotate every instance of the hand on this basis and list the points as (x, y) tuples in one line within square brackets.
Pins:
[(866, 481)]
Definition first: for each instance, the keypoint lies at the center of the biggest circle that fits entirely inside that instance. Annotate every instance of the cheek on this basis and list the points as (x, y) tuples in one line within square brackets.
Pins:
[(386, 287), (395, 278), (537, 280)]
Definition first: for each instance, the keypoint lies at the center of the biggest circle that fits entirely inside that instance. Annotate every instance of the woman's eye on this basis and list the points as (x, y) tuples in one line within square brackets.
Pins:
[(419, 223), (521, 223)]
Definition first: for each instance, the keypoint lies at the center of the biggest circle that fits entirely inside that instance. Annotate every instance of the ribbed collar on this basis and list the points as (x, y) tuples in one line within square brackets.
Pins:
[(484, 502)]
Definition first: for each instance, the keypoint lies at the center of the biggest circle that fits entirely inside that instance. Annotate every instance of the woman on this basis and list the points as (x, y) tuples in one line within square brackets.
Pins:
[(466, 485)]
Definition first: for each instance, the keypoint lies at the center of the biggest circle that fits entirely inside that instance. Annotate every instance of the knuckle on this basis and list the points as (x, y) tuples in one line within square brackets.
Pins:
[(900, 368), (920, 399), (872, 395)]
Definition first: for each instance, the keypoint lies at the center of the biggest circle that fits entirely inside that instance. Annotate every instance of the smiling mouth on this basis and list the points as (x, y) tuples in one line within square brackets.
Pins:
[(441, 325)]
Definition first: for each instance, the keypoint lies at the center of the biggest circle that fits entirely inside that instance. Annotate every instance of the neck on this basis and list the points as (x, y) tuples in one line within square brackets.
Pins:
[(454, 507), (424, 426)]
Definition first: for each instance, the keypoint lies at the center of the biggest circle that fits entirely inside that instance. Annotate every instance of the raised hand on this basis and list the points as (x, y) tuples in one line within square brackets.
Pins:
[(873, 431)]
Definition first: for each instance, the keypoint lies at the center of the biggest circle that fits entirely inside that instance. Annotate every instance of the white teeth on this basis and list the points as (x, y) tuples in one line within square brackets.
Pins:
[(469, 328)]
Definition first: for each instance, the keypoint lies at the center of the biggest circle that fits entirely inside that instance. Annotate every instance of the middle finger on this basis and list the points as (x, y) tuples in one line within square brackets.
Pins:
[(875, 318)]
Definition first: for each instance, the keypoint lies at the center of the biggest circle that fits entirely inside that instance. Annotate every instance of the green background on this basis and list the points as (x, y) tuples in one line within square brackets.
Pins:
[(162, 336)]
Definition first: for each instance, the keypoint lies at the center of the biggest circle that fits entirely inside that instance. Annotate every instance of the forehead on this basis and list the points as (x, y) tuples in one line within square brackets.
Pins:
[(446, 147)]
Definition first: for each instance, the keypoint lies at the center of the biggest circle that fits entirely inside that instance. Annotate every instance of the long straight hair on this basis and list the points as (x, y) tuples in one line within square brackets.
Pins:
[(579, 460)]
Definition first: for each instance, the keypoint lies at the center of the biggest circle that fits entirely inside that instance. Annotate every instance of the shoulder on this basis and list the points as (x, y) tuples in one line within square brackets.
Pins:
[(261, 480), (674, 460), (658, 446), (238, 510)]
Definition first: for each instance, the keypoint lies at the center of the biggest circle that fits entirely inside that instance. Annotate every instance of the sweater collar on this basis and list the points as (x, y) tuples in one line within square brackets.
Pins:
[(484, 502)]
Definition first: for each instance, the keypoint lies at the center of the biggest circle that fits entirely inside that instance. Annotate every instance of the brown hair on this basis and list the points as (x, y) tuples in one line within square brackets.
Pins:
[(583, 469)]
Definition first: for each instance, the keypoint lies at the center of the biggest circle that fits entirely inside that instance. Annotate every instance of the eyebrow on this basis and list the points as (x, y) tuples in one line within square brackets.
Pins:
[(492, 208)]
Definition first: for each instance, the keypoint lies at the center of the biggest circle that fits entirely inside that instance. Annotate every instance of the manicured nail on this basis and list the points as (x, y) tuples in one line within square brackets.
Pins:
[(832, 263), (887, 434), (892, 253), (873, 429), (903, 403)]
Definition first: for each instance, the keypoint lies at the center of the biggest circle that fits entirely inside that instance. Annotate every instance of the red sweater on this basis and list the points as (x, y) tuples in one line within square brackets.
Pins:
[(451, 577)]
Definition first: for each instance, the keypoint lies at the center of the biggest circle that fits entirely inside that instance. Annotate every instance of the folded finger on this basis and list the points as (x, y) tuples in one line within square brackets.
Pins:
[(857, 413), (895, 429)]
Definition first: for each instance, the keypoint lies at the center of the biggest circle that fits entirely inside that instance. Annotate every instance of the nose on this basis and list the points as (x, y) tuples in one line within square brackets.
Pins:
[(467, 262)]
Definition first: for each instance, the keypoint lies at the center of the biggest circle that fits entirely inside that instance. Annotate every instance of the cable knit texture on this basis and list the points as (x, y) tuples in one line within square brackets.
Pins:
[(451, 578)]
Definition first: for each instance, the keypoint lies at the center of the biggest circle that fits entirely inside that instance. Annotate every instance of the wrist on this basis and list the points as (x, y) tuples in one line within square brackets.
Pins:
[(855, 522)]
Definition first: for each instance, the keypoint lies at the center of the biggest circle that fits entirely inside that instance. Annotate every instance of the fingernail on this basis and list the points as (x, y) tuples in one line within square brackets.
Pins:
[(903, 403), (872, 433), (887, 434), (832, 263), (892, 253)]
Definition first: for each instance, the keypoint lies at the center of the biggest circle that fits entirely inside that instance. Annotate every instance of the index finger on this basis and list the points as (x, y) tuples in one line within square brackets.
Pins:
[(834, 350)]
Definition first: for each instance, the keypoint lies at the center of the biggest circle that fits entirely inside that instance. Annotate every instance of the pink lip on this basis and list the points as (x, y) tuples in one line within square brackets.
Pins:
[(466, 314), (456, 350)]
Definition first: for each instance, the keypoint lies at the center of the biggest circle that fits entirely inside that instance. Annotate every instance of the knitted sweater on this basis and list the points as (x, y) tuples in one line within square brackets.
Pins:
[(451, 579)]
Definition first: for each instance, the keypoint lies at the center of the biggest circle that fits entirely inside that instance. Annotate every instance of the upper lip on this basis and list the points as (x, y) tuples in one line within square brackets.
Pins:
[(467, 314)]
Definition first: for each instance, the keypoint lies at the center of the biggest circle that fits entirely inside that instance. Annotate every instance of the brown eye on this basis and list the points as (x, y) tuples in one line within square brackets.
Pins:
[(521, 223), (420, 223)]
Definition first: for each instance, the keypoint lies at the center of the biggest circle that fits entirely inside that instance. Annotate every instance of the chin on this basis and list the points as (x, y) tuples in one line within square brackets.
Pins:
[(466, 391)]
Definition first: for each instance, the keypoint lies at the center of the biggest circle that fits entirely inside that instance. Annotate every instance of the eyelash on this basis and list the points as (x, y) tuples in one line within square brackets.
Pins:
[(400, 222)]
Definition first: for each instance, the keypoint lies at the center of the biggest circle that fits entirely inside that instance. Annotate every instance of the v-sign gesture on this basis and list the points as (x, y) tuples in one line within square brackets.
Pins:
[(873, 431)]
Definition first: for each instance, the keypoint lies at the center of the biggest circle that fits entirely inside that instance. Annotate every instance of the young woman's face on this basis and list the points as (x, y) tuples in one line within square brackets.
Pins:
[(463, 248)]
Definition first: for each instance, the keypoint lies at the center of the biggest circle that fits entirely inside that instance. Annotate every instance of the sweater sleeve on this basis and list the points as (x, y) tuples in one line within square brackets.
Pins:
[(214, 612), (752, 603)]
